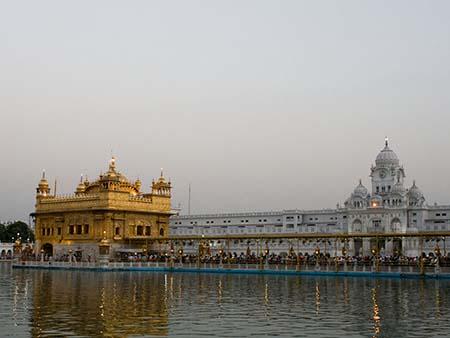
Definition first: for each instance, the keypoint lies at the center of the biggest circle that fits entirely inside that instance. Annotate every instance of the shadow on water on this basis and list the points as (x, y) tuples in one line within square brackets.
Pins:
[(118, 304)]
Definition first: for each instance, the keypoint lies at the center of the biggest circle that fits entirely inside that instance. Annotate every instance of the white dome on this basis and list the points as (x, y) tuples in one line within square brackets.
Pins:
[(361, 190), (387, 157), (415, 193)]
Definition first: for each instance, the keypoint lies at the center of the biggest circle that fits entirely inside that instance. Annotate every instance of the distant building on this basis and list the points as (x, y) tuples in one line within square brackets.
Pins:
[(111, 207), (388, 208), (6, 250)]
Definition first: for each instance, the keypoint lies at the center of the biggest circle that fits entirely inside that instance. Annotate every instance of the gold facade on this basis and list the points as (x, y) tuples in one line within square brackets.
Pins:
[(111, 207)]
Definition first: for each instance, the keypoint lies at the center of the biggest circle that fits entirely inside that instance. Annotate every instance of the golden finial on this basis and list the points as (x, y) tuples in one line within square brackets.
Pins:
[(112, 163)]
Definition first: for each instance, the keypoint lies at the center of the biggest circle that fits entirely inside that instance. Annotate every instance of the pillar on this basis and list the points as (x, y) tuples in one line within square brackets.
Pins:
[(366, 249), (389, 247)]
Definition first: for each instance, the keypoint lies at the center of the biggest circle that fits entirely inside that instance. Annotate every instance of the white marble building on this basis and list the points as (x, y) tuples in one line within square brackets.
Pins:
[(6, 250), (389, 207)]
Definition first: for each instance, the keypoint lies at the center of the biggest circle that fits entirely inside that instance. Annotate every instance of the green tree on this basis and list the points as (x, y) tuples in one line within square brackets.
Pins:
[(3, 233), (19, 229)]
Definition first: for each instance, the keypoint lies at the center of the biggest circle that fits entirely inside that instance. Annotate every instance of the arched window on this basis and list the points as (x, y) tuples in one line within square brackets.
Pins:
[(396, 224), (357, 225), (139, 230), (161, 232)]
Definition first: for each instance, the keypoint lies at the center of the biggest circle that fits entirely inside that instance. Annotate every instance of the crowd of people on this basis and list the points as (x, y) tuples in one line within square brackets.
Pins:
[(275, 259)]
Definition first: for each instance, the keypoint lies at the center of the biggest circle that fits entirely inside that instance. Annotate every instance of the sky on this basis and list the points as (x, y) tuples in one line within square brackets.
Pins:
[(259, 105)]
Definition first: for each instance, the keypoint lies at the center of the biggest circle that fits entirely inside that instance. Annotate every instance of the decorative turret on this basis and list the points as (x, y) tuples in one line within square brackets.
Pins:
[(43, 188), (138, 185), (398, 188), (161, 187), (359, 197), (415, 196), (361, 190), (81, 187)]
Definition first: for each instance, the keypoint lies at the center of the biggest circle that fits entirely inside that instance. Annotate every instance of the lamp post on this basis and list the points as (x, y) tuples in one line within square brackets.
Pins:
[(317, 253), (344, 254), (180, 254), (375, 259), (172, 258), (445, 252), (104, 251), (437, 267), (221, 258)]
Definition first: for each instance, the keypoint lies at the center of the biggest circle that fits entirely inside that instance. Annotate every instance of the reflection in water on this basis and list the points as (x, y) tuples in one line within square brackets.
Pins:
[(87, 303), (317, 298), (118, 304), (376, 314), (438, 300)]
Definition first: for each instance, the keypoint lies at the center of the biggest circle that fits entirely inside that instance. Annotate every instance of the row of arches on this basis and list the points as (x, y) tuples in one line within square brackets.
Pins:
[(357, 225), (5, 254)]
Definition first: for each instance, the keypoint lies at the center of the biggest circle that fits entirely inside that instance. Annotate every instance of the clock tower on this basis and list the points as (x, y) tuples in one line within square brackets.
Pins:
[(387, 172)]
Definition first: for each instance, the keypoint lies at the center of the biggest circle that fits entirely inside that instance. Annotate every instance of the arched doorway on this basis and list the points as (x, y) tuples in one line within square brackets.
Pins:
[(3, 255), (397, 246), (396, 225), (377, 244), (356, 226), (358, 245), (48, 249)]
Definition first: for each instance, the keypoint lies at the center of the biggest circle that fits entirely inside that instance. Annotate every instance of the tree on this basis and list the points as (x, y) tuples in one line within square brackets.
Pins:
[(21, 228), (3, 233)]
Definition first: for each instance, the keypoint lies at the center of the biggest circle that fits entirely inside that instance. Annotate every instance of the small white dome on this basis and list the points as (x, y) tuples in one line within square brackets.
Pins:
[(361, 190), (414, 193)]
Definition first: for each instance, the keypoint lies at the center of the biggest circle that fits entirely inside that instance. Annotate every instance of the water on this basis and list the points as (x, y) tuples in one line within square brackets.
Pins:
[(43, 303)]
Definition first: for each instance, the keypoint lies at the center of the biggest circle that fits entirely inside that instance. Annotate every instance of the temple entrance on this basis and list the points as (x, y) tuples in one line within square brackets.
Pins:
[(397, 246), (48, 249), (378, 245)]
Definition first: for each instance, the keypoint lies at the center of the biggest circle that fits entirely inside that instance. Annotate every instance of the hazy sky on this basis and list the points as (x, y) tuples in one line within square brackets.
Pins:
[(261, 105)]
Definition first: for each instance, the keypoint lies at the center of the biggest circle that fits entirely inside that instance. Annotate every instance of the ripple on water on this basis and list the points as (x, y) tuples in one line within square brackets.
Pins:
[(89, 304)]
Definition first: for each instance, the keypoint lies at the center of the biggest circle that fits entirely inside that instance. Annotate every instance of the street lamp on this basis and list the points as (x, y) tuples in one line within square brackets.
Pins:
[(317, 253), (437, 250), (375, 258)]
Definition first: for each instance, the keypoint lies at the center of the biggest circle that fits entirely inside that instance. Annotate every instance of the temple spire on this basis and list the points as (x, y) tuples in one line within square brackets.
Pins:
[(112, 163), (386, 141)]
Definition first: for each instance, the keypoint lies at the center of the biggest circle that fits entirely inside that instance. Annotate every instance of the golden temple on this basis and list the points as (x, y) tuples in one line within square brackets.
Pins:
[(111, 208)]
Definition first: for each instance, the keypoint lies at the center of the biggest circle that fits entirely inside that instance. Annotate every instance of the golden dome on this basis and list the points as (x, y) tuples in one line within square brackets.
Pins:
[(43, 182), (81, 186), (138, 184)]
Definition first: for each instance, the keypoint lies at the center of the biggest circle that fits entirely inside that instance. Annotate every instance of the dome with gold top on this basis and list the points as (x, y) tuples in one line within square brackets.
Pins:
[(43, 188)]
